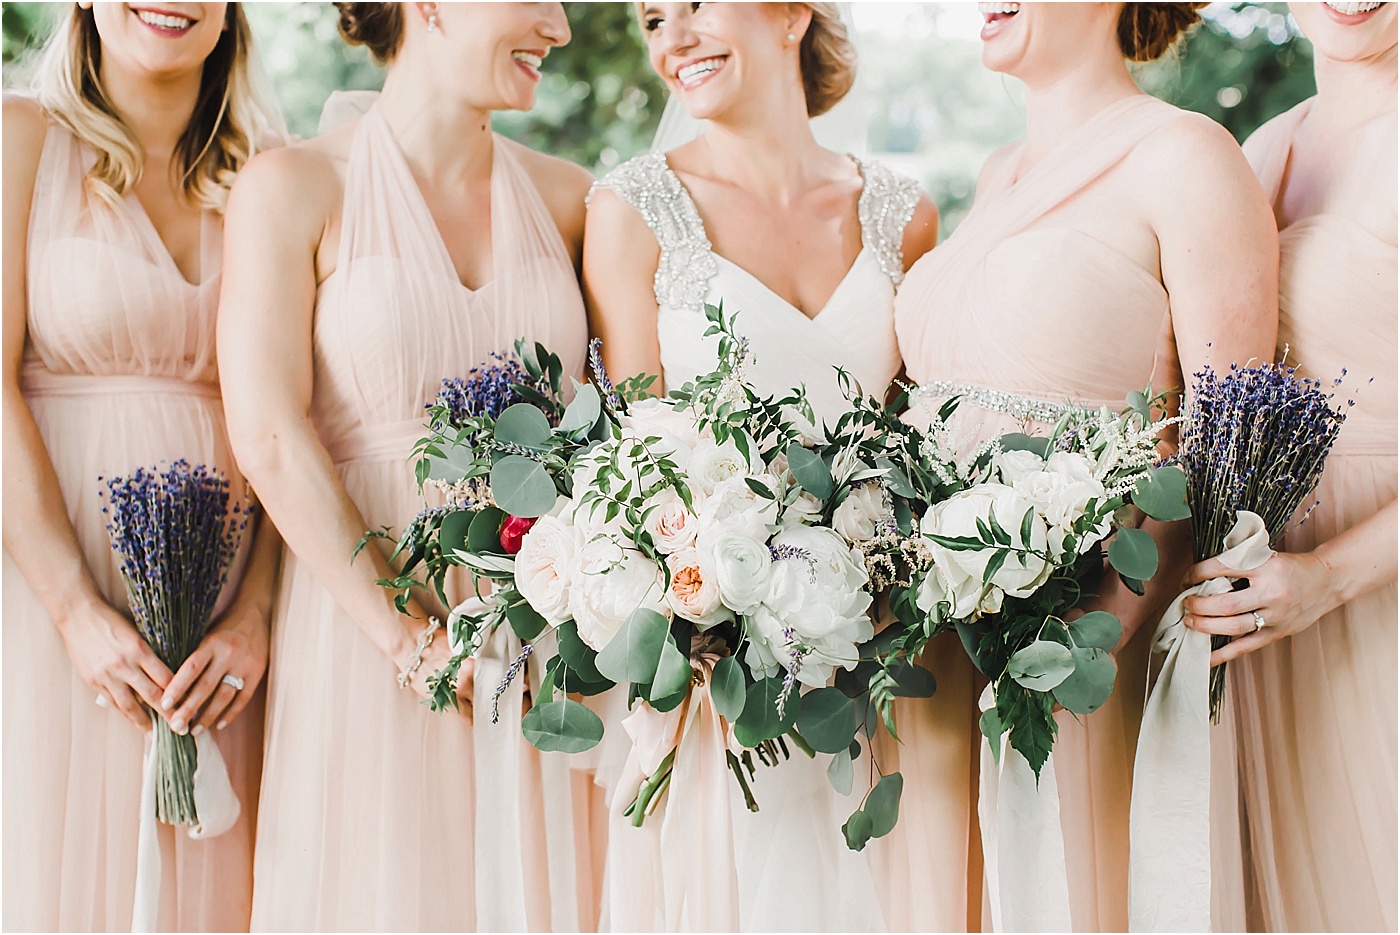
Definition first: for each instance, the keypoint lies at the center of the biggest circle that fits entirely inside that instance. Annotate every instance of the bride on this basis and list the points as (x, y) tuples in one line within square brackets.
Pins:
[(806, 246)]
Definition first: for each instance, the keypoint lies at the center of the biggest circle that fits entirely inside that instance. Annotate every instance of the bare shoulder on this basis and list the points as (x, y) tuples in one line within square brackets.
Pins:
[(299, 183), (1191, 150), (25, 126), (562, 184), (921, 233)]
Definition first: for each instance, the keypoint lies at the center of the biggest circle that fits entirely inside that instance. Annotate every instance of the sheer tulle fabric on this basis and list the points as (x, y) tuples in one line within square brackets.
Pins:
[(119, 373), (1020, 302), (369, 811), (1317, 712), (787, 864)]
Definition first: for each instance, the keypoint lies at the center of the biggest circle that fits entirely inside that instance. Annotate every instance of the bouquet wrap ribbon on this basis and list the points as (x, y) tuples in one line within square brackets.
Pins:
[(505, 818), (1169, 818), (1023, 847), (700, 884), (215, 803)]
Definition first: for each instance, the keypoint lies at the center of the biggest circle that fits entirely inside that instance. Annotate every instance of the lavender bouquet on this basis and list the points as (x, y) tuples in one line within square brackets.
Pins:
[(175, 536), (1254, 438)]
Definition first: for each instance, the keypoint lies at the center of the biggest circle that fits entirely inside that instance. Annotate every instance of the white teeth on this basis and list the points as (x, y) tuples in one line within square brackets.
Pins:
[(688, 74), (529, 58), (1003, 8), (162, 20), (1352, 8)]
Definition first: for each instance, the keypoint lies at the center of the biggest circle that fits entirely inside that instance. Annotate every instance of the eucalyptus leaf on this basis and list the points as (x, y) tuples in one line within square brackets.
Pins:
[(760, 721), (882, 805), (580, 657), (452, 532), (857, 830), (525, 621), (1040, 666), (727, 688), (485, 532), (583, 412), (1133, 553), (1097, 629), (1089, 686), (841, 772), (913, 681), (810, 471), (991, 727), (635, 651), (828, 720), (522, 487), (1019, 441), (673, 672), (523, 424), (1162, 494), (561, 726)]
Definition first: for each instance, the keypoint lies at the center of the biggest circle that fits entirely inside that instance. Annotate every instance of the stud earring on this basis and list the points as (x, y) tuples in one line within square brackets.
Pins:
[(432, 22), (791, 38)]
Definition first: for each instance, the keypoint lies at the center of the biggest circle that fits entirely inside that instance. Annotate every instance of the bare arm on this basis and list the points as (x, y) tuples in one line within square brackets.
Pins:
[(620, 257), (107, 652), (921, 233), (276, 216)]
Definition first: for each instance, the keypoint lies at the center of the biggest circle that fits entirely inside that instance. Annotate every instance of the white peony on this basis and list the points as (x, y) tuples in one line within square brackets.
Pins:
[(734, 507), (712, 464), (692, 595), (858, 517), (738, 563), (961, 571), (1014, 465), (545, 567), (669, 521), (659, 418), (818, 591), (805, 510), (610, 583)]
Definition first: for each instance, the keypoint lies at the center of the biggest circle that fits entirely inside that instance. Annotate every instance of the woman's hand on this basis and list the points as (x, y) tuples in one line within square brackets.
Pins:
[(198, 698), (434, 659), (1290, 592), (115, 662)]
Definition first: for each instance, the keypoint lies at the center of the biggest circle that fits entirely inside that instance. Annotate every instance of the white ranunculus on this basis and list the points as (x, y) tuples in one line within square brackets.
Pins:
[(962, 570), (1014, 465), (734, 506), (738, 563), (545, 567), (712, 464), (670, 522), (859, 515), (692, 595), (818, 591), (659, 418), (610, 583)]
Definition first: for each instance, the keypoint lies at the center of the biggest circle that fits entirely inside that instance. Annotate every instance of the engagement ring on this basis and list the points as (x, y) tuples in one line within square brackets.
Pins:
[(236, 683)]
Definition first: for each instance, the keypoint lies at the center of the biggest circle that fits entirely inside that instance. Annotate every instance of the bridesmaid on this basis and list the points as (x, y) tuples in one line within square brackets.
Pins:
[(115, 178), (1316, 686), (364, 267), (807, 247), (1090, 265)]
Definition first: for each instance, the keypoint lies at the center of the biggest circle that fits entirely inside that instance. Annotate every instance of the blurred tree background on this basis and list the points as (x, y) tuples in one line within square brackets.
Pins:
[(933, 111)]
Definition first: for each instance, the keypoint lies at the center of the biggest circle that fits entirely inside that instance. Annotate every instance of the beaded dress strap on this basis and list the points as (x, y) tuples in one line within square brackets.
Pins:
[(1019, 407), (886, 205), (687, 261)]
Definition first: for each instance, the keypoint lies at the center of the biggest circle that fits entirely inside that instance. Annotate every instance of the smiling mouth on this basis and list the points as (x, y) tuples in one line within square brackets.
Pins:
[(693, 74), (996, 11), (528, 61), (163, 22), (1353, 7)]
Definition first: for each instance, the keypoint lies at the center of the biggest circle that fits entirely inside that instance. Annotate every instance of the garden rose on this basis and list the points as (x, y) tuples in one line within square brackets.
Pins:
[(735, 507), (513, 531), (545, 565), (859, 515), (610, 583), (658, 418), (711, 464), (961, 570), (671, 524), (692, 595)]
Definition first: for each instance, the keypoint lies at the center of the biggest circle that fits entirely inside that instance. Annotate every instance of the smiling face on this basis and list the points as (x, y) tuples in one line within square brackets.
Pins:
[(496, 49), (714, 55), (163, 39), (1026, 40), (1347, 30)]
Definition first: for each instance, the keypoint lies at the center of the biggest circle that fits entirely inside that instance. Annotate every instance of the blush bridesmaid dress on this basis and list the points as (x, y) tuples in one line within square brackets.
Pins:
[(371, 818), (1317, 711), (119, 372)]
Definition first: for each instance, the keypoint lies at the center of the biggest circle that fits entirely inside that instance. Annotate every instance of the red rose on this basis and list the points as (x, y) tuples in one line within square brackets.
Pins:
[(513, 531)]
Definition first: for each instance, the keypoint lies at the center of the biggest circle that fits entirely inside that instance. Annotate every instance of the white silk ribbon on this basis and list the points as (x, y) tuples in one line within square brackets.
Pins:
[(1169, 818), (215, 802), (1023, 847)]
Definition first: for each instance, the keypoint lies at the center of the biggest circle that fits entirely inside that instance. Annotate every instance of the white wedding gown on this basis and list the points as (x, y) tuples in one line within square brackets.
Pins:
[(790, 862)]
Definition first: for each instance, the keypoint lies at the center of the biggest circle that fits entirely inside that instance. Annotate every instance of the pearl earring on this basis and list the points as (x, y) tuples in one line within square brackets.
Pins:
[(432, 22), (791, 38)]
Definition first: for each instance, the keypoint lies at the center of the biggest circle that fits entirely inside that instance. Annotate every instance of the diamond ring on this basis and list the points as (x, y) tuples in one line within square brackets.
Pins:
[(1258, 620), (236, 683)]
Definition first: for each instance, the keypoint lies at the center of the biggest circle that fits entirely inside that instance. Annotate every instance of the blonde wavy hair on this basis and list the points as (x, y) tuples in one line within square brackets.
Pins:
[(234, 116)]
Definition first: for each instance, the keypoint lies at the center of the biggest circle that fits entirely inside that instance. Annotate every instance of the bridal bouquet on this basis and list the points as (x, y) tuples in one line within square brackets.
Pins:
[(1012, 541), (175, 536), (1254, 439), (713, 541)]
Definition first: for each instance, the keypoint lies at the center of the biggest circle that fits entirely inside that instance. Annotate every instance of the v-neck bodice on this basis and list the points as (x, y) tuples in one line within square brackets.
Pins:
[(105, 296), (393, 320), (853, 330)]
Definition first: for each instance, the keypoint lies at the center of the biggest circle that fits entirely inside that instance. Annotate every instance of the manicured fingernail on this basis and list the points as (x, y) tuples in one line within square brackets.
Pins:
[(178, 725), (167, 703), (222, 725), (198, 730)]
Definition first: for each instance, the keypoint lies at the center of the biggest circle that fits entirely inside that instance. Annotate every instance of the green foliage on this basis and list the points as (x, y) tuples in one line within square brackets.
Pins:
[(562, 726)]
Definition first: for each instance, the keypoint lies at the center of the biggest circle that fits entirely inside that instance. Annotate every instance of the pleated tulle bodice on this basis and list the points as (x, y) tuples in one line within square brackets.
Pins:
[(105, 296), (393, 320), (1022, 305)]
